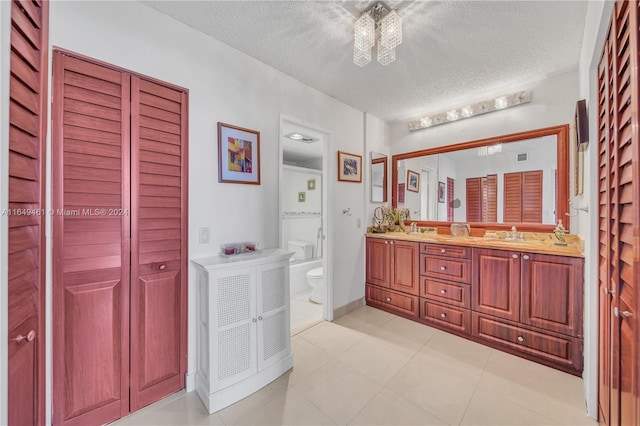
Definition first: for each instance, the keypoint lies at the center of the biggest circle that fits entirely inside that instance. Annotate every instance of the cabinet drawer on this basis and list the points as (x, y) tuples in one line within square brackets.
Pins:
[(559, 349), (446, 316), (393, 301), (444, 268), (446, 292), (448, 251)]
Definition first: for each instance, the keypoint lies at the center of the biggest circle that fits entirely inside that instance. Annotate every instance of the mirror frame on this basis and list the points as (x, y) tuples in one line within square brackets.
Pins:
[(385, 186), (562, 190)]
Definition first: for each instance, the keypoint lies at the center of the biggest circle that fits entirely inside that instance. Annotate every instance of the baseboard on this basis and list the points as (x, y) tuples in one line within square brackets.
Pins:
[(190, 381), (349, 307)]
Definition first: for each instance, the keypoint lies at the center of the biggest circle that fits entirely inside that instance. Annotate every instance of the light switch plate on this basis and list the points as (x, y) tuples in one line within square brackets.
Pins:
[(205, 235)]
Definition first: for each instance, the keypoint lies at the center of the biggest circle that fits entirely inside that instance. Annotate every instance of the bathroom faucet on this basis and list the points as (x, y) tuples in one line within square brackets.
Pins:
[(414, 227)]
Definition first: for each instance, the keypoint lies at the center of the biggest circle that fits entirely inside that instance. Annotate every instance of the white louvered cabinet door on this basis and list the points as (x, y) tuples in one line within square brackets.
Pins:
[(273, 315), (235, 331)]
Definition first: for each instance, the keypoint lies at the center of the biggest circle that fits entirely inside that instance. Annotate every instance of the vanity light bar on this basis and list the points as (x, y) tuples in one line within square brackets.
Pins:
[(483, 107)]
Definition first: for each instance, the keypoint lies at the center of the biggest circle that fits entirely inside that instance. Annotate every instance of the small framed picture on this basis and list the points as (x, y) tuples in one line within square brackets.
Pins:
[(238, 155), (441, 192), (349, 167), (311, 184), (413, 181), (302, 196)]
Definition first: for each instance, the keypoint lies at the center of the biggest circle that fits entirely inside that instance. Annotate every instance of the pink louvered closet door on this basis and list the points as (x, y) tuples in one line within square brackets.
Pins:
[(119, 184)]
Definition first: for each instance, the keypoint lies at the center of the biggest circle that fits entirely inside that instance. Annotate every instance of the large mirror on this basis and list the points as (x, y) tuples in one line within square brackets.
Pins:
[(378, 177), (520, 179)]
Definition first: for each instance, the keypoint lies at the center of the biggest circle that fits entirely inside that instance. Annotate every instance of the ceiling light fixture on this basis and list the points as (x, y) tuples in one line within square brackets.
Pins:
[(301, 138), (483, 107), (378, 23)]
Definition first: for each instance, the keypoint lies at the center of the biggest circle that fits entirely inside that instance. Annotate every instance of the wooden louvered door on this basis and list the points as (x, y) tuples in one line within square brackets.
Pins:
[(159, 251), (26, 272), (474, 200), (490, 198), (90, 243), (119, 237), (523, 197), (450, 198), (618, 219)]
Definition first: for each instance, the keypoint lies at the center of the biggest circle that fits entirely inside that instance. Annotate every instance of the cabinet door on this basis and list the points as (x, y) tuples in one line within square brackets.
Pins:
[(552, 293), (378, 261), (405, 271), (273, 316), (496, 283), (233, 301)]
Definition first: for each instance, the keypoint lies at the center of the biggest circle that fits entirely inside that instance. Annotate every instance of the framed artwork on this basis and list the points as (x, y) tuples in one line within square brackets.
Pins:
[(413, 181), (349, 167), (311, 184), (441, 192), (238, 155), (302, 196)]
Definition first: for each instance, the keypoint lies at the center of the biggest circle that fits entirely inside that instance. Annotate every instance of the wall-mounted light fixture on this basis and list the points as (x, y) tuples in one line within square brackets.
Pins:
[(471, 110)]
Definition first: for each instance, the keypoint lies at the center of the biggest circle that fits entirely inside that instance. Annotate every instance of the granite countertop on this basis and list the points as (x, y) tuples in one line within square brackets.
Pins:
[(534, 242)]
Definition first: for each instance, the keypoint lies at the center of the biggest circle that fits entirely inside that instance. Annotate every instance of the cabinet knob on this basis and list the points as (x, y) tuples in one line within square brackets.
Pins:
[(443, 268), (443, 315), (388, 299), (254, 320), (443, 251), (391, 243), (386, 242), (525, 257), (260, 318), (515, 256), (520, 339), (611, 292), (443, 291)]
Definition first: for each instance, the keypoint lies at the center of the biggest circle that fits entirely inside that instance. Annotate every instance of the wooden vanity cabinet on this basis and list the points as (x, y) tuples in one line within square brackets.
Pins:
[(523, 303), (445, 275), (529, 302), (392, 275)]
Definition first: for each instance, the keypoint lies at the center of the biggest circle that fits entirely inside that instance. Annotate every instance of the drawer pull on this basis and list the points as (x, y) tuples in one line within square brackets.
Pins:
[(443, 251), (254, 320), (520, 339), (525, 257), (515, 256), (443, 315), (392, 242), (386, 242), (388, 299), (443, 268), (443, 291)]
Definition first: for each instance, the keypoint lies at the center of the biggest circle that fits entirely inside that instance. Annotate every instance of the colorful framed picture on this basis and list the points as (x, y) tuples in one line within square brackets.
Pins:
[(413, 181), (238, 155), (349, 167), (441, 192), (311, 184), (302, 196)]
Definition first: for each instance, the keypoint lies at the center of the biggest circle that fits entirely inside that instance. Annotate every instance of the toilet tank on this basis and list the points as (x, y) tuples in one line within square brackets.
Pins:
[(302, 249)]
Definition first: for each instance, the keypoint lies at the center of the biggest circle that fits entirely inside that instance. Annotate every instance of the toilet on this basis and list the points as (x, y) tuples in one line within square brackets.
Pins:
[(314, 278), (302, 250)]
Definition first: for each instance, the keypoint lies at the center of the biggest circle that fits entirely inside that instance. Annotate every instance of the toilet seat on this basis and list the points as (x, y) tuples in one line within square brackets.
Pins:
[(315, 273)]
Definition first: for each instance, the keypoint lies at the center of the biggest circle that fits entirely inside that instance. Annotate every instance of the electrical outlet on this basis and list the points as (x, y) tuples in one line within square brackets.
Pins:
[(358, 223), (205, 235)]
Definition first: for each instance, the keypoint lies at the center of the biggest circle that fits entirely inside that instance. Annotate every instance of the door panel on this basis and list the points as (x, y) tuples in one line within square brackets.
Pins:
[(378, 262), (159, 241), (90, 242), (27, 134), (405, 270), (496, 283)]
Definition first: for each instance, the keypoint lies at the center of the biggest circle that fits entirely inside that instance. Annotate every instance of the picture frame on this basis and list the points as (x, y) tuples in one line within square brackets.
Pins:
[(349, 167), (311, 184), (413, 181), (302, 197), (238, 155), (441, 189)]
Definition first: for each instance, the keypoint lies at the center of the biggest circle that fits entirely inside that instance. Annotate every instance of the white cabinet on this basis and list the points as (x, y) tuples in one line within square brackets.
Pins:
[(243, 330)]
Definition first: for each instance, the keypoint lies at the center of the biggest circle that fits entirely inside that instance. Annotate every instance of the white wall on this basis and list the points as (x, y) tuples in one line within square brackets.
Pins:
[(376, 140), (228, 86), (5, 49), (596, 25)]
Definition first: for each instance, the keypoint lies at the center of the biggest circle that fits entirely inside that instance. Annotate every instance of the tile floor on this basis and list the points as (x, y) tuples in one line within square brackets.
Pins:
[(303, 312), (373, 368)]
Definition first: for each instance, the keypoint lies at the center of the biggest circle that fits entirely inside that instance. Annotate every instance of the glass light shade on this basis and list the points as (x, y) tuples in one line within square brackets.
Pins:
[(385, 55), (361, 57), (425, 122), (467, 111), (391, 30), (453, 115), (364, 32), (501, 102)]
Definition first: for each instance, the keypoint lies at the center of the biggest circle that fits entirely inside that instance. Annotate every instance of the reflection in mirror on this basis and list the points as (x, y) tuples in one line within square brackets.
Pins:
[(378, 177), (514, 179)]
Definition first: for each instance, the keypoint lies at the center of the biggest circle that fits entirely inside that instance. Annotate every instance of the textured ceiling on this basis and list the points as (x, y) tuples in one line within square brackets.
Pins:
[(452, 51)]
